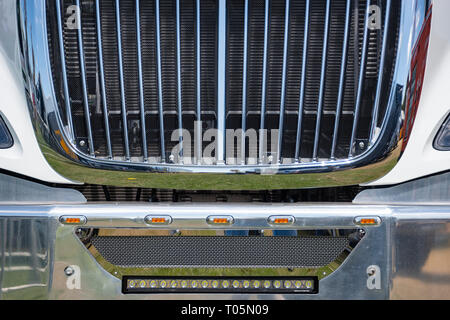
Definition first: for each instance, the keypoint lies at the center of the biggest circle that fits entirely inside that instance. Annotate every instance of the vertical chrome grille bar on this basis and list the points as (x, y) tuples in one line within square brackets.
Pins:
[(102, 78), (302, 84), (322, 82), (341, 80), (283, 81), (64, 72), (87, 115), (141, 82), (221, 80), (244, 83), (264, 77), (198, 138), (180, 102), (122, 85), (361, 78), (380, 74), (160, 96)]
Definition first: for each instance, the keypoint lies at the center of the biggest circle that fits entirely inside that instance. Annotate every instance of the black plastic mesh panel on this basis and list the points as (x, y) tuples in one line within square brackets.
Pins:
[(220, 251)]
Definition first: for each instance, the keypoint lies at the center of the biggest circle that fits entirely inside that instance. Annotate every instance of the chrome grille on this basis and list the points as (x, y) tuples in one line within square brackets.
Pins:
[(135, 71)]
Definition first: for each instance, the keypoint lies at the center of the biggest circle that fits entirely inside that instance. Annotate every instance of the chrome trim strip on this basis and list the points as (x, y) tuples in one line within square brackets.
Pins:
[(102, 78), (64, 72), (180, 98), (283, 81), (322, 81), (264, 79), (141, 81), (221, 80), (199, 83), (160, 93), (341, 80), (302, 85), (361, 78), (122, 84), (87, 115), (380, 73), (244, 84)]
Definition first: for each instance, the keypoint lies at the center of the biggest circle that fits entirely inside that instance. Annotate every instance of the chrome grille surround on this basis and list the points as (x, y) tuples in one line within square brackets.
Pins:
[(56, 133)]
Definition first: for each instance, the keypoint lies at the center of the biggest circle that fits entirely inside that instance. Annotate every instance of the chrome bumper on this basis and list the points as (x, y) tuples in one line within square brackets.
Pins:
[(409, 251)]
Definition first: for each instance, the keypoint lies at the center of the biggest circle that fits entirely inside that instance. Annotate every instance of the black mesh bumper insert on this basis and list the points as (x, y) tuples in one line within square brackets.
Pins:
[(220, 251)]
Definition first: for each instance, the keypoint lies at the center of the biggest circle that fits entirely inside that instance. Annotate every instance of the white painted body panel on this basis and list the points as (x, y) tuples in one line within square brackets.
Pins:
[(25, 157), (420, 158)]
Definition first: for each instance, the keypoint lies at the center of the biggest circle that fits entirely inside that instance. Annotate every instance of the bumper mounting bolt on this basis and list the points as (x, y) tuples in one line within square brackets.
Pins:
[(69, 271)]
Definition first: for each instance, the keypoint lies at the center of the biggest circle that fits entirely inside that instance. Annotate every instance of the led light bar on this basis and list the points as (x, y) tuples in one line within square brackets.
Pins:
[(299, 285)]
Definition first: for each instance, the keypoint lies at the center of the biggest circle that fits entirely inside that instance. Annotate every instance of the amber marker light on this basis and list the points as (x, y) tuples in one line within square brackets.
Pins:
[(73, 220), (158, 220), (368, 221), (281, 220), (220, 220)]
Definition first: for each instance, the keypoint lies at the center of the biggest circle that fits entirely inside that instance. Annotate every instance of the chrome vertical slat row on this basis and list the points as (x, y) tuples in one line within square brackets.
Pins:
[(361, 79), (159, 72), (302, 84), (221, 79), (198, 124), (322, 81), (283, 80), (264, 79), (244, 83), (67, 100), (380, 74), (180, 102), (121, 83), (341, 79), (87, 115), (102, 79), (141, 81)]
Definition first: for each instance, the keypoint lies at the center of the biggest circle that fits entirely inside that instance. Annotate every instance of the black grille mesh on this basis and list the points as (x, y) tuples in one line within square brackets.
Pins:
[(220, 251)]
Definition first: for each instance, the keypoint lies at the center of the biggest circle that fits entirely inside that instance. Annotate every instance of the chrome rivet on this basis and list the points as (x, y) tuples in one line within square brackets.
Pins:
[(362, 145), (69, 271), (82, 143)]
